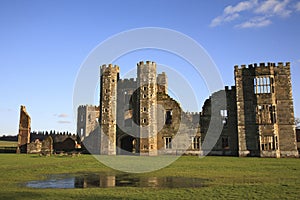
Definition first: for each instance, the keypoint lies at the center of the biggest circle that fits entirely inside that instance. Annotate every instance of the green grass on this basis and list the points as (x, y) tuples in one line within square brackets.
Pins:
[(229, 178)]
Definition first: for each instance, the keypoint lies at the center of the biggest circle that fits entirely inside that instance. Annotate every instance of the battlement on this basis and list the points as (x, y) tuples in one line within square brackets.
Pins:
[(127, 80), (141, 63), (88, 106), (229, 88), (262, 65), (192, 113), (110, 67), (127, 83)]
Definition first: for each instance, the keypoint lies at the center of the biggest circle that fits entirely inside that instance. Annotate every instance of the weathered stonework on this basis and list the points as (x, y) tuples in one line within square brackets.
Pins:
[(138, 117), (108, 108), (24, 131), (47, 146), (265, 111), (147, 107), (87, 120)]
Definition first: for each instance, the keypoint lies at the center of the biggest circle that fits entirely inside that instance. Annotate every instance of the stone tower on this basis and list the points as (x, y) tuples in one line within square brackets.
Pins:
[(87, 120), (108, 109), (24, 131), (147, 107), (265, 112), (162, 83)]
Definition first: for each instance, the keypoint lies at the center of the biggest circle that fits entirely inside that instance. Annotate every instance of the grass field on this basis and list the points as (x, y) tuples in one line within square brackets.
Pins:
[(228, 178)]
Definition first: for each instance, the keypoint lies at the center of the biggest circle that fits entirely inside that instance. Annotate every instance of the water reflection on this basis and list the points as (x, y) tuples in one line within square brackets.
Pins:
[(121, 180)]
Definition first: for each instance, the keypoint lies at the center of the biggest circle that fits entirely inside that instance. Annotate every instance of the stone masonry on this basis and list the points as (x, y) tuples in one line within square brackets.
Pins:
[(265, 111), (88, 120), (24, 131), (138, 117)]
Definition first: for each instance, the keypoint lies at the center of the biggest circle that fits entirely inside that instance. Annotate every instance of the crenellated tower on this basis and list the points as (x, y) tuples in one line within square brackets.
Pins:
[(265, 112), (147, 107), (108, 108)]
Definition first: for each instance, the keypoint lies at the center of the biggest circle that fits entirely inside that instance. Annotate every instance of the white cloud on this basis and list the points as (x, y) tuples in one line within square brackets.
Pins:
[(297, 6), (63, 122), (274, 7), (255, 23), (62, 115), (262, 11), (231, 13), (242, 6), (220, 19)]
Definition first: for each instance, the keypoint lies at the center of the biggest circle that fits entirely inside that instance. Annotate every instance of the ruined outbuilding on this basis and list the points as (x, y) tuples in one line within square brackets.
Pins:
[(24, 130)]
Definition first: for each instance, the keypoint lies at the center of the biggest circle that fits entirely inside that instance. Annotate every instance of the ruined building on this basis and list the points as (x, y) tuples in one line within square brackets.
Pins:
[(87, 120), (24, 131), (137, 116), (265, 111)]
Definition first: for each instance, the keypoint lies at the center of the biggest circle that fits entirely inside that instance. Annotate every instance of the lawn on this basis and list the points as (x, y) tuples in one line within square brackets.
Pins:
[(227, 178)]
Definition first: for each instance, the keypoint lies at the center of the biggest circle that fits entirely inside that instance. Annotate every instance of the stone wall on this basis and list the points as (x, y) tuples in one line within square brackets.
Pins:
[(225, 114), (24, 130), (265, 110), (87, 120)]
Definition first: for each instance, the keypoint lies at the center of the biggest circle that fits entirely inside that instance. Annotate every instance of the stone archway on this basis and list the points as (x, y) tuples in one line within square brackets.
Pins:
[(127, 145)]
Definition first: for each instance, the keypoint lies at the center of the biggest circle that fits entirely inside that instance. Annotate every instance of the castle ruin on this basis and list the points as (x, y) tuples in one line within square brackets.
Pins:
[(138, 117), (24, 131)]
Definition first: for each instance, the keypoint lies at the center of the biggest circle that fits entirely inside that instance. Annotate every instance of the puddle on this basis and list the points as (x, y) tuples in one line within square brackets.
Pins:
[(122, 180)]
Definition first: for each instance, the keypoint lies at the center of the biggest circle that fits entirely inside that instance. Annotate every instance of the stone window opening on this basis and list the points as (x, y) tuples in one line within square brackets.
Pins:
[(169, 116), (263, 85), (144, 109), (144, 96), (168, 143), (144, 88), (144, 121), (272, 114), (225, 142), (224, 116), (195, 142), (266, 114), (268, 143), (81, 118), (81, 132)]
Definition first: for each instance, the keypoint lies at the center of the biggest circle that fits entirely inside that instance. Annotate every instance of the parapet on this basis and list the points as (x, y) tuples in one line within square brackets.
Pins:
[(148, 63), (127, 83), (110, 67), (229, 88), (127, 80), (88, 106), (262, 65), (192, 113)]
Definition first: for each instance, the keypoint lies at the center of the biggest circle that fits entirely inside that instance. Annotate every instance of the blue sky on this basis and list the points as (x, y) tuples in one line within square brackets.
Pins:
[(44, 43)]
